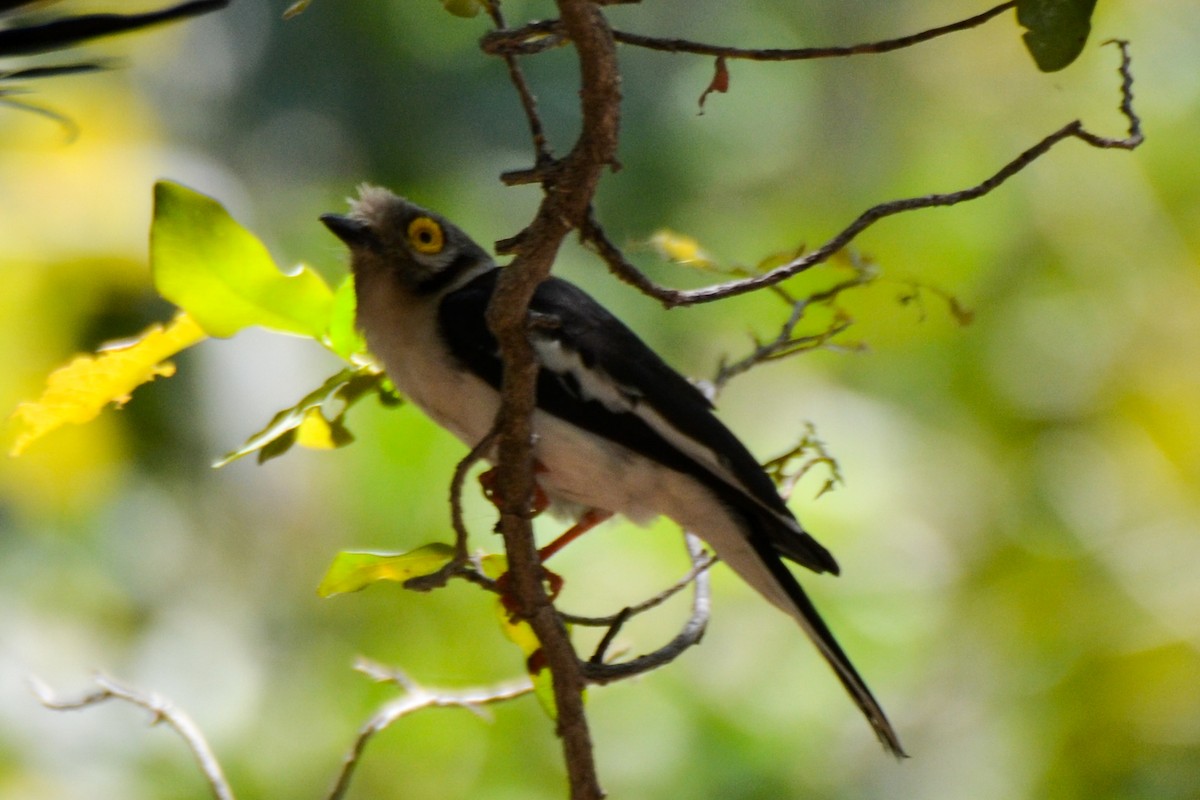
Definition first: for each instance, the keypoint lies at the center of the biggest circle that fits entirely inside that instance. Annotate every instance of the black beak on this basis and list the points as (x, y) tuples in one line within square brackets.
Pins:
[(351, 230)]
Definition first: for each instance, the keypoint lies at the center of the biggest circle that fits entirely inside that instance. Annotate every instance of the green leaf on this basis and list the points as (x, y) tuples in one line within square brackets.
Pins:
[(343, 336), (351, 572), (464, 8), (213, 268), (1057, 30), (345, 388)]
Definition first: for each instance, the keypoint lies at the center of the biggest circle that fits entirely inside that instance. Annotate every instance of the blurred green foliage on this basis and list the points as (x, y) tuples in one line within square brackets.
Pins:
[(1018, 527)]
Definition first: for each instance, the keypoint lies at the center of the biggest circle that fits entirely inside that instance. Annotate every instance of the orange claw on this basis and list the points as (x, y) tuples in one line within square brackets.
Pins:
[(554, 584), (539, 503)]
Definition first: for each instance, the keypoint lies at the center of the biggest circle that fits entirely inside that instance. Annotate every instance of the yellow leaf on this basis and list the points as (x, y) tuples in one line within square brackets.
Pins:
[(681, 249), (314, 431), (79, 391), (520, 633)]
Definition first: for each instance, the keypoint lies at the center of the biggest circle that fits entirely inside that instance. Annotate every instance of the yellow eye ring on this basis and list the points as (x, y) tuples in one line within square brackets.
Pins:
[(425, 236)]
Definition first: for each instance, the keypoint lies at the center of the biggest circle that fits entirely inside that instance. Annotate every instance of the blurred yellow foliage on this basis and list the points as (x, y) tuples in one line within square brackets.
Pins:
[(77, 392), (680, 248)]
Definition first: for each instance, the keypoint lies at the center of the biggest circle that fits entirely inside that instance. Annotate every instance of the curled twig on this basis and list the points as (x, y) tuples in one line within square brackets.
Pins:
[(815, 452), (705, 561), (688, 636)]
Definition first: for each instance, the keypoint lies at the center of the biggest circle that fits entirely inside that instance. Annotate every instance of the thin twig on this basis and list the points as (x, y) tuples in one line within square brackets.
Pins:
[(654, 602), (69, 31), (806, 53), (620, 266), (689, 636), (460, 564), (70, 127), (542, 35), (162, 709), (619, 620), (537, 130), (787, 343), (415, 698)]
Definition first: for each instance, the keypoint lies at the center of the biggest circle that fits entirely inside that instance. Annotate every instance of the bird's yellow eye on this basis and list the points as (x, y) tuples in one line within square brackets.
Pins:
[(425, 236)]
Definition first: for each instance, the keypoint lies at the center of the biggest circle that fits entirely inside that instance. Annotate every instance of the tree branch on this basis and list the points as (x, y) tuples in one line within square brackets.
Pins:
[(415, 698), (162, 709), (569, 185), (568, 194), (537, 37), (620, 266), (598, 672), (807, 53)]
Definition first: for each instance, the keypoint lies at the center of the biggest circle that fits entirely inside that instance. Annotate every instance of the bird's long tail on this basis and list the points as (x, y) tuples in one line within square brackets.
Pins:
[(802, 608)]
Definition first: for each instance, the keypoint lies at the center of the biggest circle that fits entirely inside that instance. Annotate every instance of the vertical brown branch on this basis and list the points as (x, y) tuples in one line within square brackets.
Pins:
[(569, 189)]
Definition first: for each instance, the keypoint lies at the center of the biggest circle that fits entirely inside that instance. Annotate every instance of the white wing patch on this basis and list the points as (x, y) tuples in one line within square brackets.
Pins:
[(592, 384), (597, 386)]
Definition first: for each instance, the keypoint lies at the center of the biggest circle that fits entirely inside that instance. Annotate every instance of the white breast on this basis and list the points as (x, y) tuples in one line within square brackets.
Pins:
[(402, 332)]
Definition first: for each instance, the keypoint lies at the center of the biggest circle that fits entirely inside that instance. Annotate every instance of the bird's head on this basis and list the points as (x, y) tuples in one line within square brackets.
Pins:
[(390, 236)]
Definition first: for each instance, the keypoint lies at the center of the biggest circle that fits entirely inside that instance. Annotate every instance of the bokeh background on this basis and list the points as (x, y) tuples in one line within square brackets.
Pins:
[(1018, 526)]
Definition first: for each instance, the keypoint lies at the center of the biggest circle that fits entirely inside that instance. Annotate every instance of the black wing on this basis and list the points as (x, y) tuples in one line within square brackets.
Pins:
[(623, 373), (596, 348)]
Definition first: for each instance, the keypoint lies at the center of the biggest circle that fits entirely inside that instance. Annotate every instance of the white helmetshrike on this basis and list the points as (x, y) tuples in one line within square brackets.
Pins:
[(617, 430)]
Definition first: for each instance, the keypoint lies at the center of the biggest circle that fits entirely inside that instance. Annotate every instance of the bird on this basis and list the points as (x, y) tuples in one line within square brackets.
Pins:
[(616, 429)]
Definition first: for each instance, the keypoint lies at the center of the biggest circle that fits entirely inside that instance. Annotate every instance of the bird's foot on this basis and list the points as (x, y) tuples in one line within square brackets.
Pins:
[(539, 503), (553, 581)]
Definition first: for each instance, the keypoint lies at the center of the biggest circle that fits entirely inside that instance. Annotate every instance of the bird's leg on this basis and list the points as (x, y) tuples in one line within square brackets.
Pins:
[(540, 502), (590, 519)]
